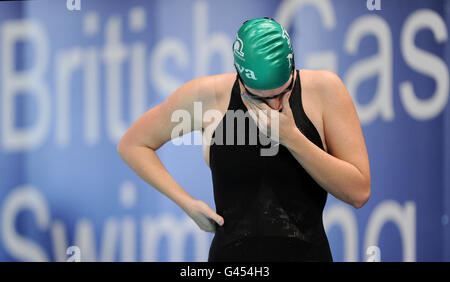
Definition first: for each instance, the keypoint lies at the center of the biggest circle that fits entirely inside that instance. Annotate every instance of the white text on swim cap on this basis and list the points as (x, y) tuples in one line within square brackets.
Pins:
[(248, 73)]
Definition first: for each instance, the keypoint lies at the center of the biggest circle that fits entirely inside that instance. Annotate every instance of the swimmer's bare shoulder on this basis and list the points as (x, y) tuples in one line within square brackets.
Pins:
[(223, 87), (155, 127)]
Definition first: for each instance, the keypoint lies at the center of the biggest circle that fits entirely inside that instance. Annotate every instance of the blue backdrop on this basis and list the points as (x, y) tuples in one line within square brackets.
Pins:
[(73, 80)]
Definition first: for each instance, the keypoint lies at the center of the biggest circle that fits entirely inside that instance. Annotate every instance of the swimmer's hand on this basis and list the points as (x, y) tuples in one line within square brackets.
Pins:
[(204, 216)]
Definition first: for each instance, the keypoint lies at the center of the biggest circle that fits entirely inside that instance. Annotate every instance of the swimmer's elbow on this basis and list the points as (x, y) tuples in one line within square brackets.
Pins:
[(121, 149), (363, 197)]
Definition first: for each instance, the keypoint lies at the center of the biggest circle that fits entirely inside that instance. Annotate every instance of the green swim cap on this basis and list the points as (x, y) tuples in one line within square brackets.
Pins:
[(263, 54)]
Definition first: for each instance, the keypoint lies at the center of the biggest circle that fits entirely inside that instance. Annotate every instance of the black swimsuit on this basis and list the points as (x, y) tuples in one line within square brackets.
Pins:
[(272, 208)]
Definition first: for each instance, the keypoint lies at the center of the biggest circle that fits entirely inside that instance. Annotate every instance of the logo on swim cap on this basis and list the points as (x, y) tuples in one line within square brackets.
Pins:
[(237, 47), (286, 36), (290, 57)]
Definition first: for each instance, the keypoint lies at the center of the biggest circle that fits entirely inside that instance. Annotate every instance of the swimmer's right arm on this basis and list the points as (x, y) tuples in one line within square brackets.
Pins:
[(152, 130)]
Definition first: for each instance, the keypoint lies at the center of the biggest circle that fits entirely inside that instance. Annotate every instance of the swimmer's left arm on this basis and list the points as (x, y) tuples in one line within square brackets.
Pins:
[(344, 171)]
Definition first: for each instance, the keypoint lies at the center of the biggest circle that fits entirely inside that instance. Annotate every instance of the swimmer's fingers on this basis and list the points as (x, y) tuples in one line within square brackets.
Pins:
[(209, 212), (204, 216)]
